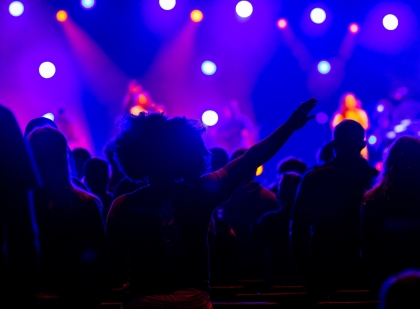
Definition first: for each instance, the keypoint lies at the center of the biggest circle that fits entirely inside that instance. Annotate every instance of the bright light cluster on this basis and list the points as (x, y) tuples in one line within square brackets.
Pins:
[(390, 22), (324, 67), (244, 9), (208, 67), (196, 16), (16, 8), (87, 4), (210, 118), (167, 5), (318, 15), (47, 69)]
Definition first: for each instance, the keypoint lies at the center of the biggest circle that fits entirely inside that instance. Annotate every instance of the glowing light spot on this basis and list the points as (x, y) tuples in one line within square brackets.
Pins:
[(210, 118), (391, 135), (318, 15), (380, 108), (142, 99), (400, 128), (196, 16), (282, 23), (16, 8), (372, 140), (49, 116), (321, 118), (136, 110), (47, 69), (167, 4), (208, 67), (260, 170), (354, 28), (390, 22), (406, 122), (378, 166), (324, 67), (87, 4), (61, 16), (244, 9)]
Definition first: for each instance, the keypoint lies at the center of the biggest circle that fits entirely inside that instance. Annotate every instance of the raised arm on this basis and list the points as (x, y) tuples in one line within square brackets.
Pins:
[(240, 168)]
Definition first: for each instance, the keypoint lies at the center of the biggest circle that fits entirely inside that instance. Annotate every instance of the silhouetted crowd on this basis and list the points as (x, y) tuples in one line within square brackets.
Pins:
[(165, 219)]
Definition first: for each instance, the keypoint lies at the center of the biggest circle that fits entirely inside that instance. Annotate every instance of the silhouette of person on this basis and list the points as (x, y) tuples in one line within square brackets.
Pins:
[(71, 229), (80, 156), (96, 173), (219, 158), (18, 227), (273, 230), (163, 227), (116, 174), (38, 123), (401, 291), (391, 214), (325, 219), (289, 164)]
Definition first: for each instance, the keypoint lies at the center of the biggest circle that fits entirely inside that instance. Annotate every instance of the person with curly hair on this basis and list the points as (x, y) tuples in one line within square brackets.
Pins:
[(157, 235)]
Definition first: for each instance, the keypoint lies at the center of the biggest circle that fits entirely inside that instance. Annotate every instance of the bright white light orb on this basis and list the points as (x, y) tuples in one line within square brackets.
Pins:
[(390, 22), (49, 116), (210, 118), (391, 135), (208, 67), (16, 8), (324, 67), (88, 4), (244, 9), (167, 4), (318, 15), (380, 108), (372, 140), (47, 69)]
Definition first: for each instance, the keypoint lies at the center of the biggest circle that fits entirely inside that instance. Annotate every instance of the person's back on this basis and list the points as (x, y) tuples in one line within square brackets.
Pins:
[(391, 215), (325, 216), (71, 229)]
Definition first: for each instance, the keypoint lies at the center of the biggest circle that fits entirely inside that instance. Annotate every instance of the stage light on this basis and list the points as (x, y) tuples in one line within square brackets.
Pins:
[(210, 118), (321, 118), (167, 4), (318, 15), (61, 16), (136, 110), (406, 122), (196, 16), (354, 28), (390, 22), (400, 128), (49, 116), (378, 166), (47, 69), (244, 9), (372, 140), (16, 8), (380, 108), (260, 170), (391, 135), (282, 23), (324, 67), (87, 4), (208, 67)]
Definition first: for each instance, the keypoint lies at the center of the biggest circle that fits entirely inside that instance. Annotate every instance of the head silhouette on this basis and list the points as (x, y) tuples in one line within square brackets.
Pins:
[(401, 291), (219, 158), (288, 185), (96, 173), (49, 147), (39, 123), (325, 153), (291, 164), (161, 149), (348, 139), (80, 156)]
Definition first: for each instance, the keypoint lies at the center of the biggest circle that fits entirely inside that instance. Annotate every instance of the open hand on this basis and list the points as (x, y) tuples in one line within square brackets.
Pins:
[(300, 116)]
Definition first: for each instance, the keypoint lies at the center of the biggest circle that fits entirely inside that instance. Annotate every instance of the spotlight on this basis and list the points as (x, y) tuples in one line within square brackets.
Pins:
[(372, 140), (87, 4), (390, 22), (49, 116), (196, 16), (208, 67), (136, 110), (321, 118), (47, 69), (210, 118), (391, 135), (61, 16), (244, 9), (324, 67), (400, 128), (16, 8), (354, 28), (167, 4), (282, 23), (380, 108), (260, 170), (318, 15)]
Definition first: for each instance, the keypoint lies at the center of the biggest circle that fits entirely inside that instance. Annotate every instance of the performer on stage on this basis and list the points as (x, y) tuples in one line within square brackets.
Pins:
[(137, 100), (351, 108)]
